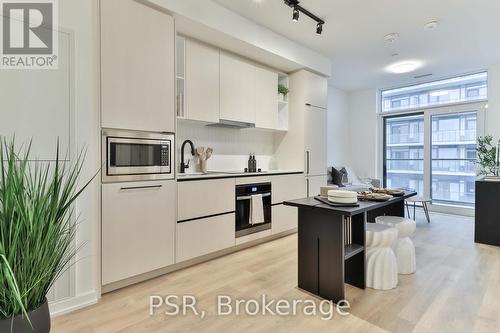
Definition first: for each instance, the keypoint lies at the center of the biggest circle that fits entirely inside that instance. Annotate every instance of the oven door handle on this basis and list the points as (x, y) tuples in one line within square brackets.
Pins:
[(248, 197)]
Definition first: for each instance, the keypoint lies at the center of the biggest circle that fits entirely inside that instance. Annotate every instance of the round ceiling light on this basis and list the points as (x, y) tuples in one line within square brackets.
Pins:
[(431, 25), (403, 67), (391, 38)]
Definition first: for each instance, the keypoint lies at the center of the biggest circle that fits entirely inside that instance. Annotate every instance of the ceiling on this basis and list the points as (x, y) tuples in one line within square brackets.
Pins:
[(467, 38)]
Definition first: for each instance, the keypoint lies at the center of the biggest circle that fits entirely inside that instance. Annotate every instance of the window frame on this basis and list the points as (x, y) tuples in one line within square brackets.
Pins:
[(477, 106), (380, 106)]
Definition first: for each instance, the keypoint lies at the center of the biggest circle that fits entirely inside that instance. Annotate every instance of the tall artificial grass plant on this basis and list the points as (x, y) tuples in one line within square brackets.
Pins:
[(37, 231)]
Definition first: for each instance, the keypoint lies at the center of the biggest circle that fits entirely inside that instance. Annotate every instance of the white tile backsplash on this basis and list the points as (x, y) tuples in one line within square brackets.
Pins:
[(231, 146)]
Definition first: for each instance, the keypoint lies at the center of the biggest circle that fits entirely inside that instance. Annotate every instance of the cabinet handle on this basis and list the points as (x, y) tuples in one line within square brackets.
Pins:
[(140, 187), (307, 161)]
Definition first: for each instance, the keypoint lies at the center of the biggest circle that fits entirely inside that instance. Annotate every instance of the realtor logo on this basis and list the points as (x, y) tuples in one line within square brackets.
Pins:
[(29, 36)]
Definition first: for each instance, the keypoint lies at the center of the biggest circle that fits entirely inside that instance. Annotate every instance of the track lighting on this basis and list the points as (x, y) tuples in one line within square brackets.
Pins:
[(295, 16), (297, 9), (319, 28)]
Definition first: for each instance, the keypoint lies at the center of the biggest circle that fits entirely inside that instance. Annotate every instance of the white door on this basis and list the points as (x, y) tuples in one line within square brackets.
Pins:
[(237, 89), (137, 67), (315, 141), (266, 111), (202, 82), (138, 228)]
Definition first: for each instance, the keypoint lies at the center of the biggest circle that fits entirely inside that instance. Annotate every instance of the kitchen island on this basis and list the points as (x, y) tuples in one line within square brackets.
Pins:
[(331, 243)]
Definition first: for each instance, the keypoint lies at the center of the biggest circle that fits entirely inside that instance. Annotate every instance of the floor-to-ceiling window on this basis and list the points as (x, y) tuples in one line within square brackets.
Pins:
[(453, 155), (404, 152), (430, 133)]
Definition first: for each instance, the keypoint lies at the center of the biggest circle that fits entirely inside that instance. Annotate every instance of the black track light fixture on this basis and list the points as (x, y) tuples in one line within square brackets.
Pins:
[(319, 28), (295, 16), (297, 9)]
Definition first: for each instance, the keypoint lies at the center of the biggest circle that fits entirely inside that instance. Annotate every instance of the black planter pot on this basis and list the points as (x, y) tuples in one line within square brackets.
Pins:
[(40, 319)]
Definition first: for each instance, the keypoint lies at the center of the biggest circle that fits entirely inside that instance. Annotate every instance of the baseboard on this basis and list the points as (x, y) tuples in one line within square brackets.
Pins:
[(70, 304)]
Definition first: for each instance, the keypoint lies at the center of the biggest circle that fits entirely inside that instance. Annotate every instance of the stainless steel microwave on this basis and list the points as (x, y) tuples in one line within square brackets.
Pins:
[(136, 155)]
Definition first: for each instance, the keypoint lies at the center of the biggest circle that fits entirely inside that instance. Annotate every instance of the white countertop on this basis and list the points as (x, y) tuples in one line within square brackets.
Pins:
[(236, 173)]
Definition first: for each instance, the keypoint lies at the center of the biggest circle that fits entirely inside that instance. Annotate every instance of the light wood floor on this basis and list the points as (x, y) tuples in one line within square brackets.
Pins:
[(456, 289)]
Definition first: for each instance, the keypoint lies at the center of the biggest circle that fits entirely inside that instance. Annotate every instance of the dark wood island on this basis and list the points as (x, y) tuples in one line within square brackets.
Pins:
[(331, 243)]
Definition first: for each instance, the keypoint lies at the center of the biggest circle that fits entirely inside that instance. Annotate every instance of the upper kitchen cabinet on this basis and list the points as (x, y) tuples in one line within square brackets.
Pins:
[(137, 67), (266, 111), (201, 82), (237, 89), (315, 89)]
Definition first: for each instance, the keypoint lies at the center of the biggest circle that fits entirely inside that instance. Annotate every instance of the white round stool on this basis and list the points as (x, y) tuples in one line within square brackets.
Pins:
[(381, 265), (404, 248)]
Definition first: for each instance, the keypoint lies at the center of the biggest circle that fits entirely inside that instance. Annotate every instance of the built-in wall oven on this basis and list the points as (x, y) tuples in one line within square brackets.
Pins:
[(244, 193), (137, 155)]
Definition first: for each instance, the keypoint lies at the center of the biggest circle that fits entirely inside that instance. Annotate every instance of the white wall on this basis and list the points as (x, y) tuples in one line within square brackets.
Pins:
[(493, 111), (338, 131)]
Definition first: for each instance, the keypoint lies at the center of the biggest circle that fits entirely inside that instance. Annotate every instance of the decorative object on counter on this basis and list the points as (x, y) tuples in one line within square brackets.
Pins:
[(203, 155), (38, 233), (342, 197), (252, 164), (370, 196), (324, 190), (282, 92), (488, 156), (390, 191)]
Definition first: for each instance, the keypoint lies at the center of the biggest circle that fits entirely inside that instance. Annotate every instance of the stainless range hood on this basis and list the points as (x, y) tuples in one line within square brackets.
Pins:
[(232, 124)]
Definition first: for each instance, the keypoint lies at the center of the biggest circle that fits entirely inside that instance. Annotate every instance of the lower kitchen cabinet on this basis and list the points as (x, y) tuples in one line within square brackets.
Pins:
[(203, 236), (138, 228), (284, 218)]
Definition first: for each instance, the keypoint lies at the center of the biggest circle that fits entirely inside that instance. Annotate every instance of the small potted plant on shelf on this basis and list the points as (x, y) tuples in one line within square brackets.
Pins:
[(282, 92), (37, 233)]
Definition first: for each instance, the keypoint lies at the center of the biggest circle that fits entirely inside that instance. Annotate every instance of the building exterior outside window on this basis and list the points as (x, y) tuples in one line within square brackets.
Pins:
[(448, 162)]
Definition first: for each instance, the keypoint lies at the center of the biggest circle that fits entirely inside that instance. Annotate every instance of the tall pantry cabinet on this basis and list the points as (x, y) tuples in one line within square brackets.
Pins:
[(304, 145)]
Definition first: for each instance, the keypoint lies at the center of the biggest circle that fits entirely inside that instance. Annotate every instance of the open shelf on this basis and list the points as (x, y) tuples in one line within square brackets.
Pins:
[(351, 250)]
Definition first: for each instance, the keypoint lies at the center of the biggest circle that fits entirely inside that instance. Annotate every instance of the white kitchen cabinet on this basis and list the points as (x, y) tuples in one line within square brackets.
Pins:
[(288, 187), (284, 218), (200, 198), (314, 183), (203, 236), (237, 89), (202, 82), (315, 141), (138, 228), (304, 145), (266, 111), (137, 67), (315, 90)]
